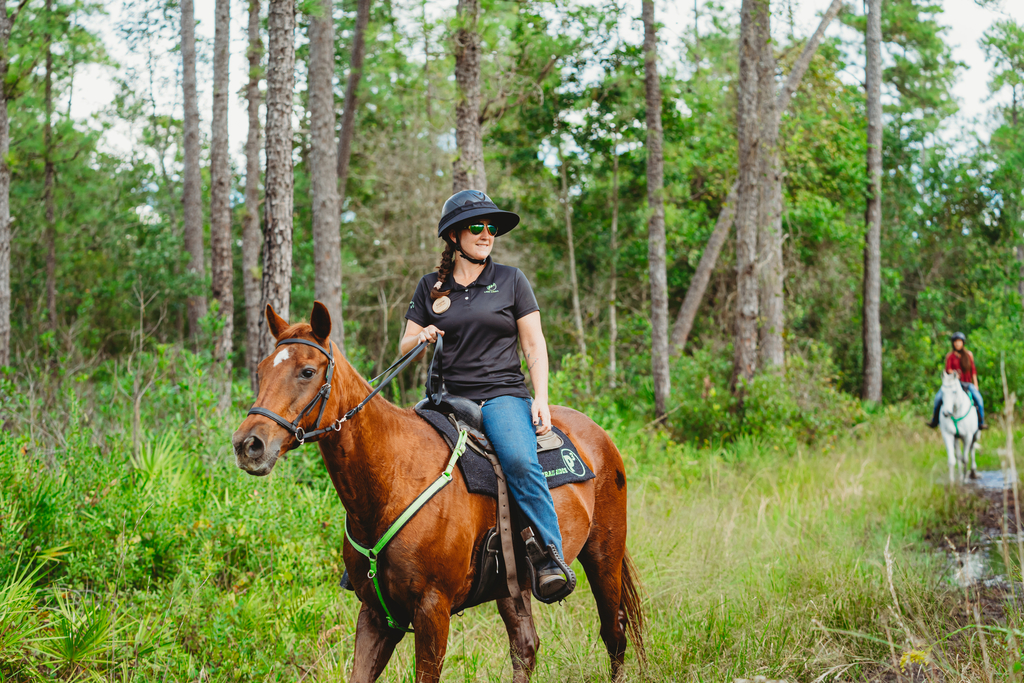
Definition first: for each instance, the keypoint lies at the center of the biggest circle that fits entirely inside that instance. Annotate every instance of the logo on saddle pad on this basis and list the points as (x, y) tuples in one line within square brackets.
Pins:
[(491, 288), (573, 465)]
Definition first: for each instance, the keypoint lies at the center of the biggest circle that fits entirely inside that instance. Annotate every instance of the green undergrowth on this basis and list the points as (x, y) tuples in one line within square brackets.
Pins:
[(144, 554)]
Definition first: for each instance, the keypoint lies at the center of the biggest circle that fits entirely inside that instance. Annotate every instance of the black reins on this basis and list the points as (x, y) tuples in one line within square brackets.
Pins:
[(324, 394)]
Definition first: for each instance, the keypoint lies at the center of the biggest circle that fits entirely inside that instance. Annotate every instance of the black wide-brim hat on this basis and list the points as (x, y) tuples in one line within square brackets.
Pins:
[(470, 206)]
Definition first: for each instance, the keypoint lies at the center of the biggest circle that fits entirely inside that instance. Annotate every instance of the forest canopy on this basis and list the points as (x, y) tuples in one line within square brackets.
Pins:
[(102, 267)]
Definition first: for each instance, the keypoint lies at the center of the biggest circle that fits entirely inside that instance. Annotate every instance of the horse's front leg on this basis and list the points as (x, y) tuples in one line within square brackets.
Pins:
[(960, 446), (950, 442), (375, 643), (431, 622), (974, 460)]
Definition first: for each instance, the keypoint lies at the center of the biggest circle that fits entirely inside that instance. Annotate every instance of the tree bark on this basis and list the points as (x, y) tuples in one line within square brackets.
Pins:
[(251, 241), (324, 165), (727, 214), (769, 211), (577, 316), (7, 20), (49, 173), (872, 390), (656, 222), (192, 189), (279, 202), (6, 23), (1020, 281), (468, 171), (754, 15), (221, 263), (348, 116), (613, 286)]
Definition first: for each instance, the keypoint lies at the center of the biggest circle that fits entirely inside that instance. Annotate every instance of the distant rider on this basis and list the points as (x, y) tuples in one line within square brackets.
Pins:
[(961, 361)]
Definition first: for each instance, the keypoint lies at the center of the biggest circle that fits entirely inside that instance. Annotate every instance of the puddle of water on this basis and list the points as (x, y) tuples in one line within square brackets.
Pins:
[(969, 568), (988, 480), (985, 563)]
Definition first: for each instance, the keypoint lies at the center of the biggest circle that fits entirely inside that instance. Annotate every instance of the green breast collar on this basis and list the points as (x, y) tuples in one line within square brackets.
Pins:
[(372, 554)]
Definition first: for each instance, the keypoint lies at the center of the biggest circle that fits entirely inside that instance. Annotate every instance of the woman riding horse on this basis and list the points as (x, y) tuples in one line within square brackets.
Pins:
[(961, 362), (484, 310)]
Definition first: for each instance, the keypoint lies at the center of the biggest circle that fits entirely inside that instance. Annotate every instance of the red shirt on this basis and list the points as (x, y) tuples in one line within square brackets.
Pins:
[(963, 366)]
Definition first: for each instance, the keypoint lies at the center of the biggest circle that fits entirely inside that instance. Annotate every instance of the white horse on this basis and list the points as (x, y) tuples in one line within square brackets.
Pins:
[(958, 423)]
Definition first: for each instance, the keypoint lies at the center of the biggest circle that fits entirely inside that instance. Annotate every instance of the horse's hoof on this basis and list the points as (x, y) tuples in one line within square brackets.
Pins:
[(973, 474)]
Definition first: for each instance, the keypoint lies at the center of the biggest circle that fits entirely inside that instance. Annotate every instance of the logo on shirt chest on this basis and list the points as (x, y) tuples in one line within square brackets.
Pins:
[(491, 288)]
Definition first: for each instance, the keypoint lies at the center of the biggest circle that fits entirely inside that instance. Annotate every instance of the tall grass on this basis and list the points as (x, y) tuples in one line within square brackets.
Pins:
[(158, 560)]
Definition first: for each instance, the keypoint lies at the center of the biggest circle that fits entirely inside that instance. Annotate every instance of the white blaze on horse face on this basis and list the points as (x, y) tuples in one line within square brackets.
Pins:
[(280, 357)]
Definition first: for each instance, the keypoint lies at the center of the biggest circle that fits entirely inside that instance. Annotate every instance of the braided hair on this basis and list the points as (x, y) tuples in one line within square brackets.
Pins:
[(444, 269)]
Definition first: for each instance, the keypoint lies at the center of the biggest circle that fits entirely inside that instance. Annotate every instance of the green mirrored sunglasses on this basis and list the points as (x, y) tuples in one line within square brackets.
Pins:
[(477, 229)]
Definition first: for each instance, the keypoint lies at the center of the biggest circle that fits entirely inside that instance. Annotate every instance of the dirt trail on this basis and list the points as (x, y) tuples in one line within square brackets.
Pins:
[(979, 563)]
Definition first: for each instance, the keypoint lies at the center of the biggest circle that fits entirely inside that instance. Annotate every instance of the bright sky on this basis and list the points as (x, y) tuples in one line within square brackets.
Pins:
[(94, 88)]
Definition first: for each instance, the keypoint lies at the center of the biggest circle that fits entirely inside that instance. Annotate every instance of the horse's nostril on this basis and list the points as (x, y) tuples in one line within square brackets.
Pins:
[(253, 447)]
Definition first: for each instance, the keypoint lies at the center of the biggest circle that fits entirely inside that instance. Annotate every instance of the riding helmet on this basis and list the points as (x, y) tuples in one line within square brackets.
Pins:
[(468, 206), (958, 335)]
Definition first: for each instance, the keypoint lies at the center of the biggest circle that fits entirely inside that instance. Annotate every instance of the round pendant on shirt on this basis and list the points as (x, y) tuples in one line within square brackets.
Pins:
[(441, 305)]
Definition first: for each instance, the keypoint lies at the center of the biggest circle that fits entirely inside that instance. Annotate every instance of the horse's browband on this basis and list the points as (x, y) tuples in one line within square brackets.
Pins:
[(321, 398), (325, 392)]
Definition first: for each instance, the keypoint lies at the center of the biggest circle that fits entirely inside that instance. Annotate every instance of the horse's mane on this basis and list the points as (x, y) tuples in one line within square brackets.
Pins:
[(296, 330)]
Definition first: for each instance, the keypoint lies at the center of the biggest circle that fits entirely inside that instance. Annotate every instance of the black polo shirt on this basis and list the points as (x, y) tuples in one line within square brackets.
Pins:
[(480, 333)]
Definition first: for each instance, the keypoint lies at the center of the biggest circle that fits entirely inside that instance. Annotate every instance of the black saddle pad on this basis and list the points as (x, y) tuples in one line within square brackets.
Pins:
[(561, 465)]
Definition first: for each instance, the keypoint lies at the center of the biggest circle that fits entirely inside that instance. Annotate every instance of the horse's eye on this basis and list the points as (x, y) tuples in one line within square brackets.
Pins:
[(307, 373)]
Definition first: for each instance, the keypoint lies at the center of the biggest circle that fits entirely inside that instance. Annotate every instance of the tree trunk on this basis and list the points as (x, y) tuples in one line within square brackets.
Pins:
[(727, 214), (1020, 281), (577, 316), (192, 190), (699, 282), (251, 223), (324, 165), (277, 237), (348, 116), (49, 173), (6, 23), (769, 214), (468, 171), (221, 263), (656, 222), (613, 286), (873, 216), (754, 15)]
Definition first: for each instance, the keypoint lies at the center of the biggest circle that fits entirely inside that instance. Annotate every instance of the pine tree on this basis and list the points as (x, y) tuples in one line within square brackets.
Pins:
[(754, 16), (280, 182), (251, 237), (192, 188), (872, 390), (323, 180), (221, 262), (468, 171), (656, 222)]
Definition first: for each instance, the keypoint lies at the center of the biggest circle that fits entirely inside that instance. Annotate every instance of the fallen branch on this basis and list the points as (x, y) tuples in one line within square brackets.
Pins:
[(698, 285)]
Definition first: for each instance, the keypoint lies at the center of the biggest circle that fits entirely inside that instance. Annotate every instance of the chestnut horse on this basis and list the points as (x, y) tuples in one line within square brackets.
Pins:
[(382, 458)]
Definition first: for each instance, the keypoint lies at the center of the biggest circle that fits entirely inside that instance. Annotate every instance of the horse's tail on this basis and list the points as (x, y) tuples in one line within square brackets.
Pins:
[(632, 604)]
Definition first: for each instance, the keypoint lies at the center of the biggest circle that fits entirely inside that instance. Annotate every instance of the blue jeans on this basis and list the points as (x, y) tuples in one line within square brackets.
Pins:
[(975, 394), (509, 427)]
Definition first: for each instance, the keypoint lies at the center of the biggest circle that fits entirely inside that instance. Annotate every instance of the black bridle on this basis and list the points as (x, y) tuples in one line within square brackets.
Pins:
[(324, 394)]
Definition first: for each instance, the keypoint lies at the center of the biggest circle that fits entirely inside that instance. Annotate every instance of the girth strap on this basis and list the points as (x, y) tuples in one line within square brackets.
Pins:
[(372, 554)]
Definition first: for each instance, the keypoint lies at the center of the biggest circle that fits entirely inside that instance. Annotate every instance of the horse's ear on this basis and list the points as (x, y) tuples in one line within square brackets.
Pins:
[(275, 323), (320, 321)]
